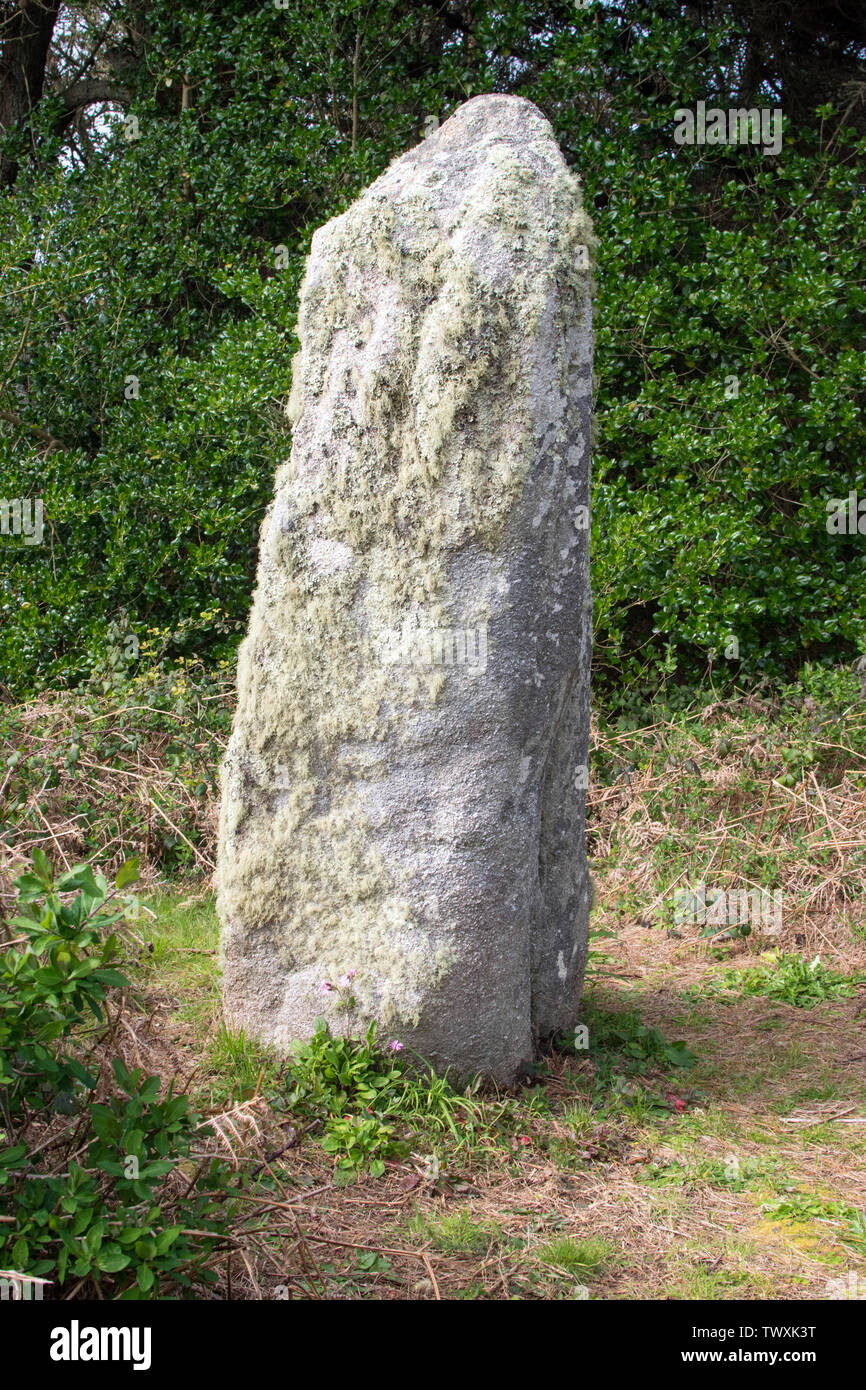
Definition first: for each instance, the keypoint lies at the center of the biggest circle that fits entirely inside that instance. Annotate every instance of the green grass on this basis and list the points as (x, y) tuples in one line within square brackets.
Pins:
[(455, 1233), (815, 726), (580, 1258), (182, 955), (733, 1173), (237, 1065), (695, 1124), (787, 980), (717, 1285), (581, 1118)]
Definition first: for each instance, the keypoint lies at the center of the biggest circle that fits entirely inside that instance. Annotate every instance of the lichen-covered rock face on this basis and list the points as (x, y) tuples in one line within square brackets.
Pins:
[(403, 794)]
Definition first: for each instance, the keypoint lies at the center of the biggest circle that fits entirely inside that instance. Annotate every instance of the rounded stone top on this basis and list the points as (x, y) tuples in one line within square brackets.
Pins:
[(495, 114)]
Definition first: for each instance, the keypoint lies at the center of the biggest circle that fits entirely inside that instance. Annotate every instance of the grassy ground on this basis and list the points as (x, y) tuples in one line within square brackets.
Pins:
[(708, 1139), (615, 1175)]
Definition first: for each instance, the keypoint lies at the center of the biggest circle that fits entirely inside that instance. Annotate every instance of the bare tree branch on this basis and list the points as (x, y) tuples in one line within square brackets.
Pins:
[(91, 91), (11, 418)]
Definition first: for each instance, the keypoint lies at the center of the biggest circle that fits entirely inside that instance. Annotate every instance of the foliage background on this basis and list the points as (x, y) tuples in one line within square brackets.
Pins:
[(158, 258)]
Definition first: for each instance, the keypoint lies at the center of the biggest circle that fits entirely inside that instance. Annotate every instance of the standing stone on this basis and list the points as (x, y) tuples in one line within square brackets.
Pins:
[(403, 793)]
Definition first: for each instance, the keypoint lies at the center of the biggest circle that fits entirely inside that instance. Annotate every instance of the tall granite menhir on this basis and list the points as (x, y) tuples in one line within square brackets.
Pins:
[(403, 791)]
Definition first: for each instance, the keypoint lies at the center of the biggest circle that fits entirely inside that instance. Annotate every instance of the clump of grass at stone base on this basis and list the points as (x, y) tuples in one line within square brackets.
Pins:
[(369, 1104)]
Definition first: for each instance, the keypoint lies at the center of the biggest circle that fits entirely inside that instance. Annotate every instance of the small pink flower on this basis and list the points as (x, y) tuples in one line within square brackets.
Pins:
[(326, 987), (396, 1046), (345, 980)]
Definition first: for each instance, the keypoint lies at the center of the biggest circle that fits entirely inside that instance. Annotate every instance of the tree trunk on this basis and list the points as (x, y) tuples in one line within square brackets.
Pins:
[(28, 28)]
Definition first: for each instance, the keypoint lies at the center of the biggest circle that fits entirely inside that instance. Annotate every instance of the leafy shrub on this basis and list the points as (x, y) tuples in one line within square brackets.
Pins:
[(339, 1073), (623, 1042), (361, 1141), (334, 1077), (370, 1101), (715, 264), (104, 1223)]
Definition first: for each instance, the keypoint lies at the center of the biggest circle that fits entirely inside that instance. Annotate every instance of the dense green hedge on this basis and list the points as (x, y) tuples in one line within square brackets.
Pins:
[(158, 261)]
